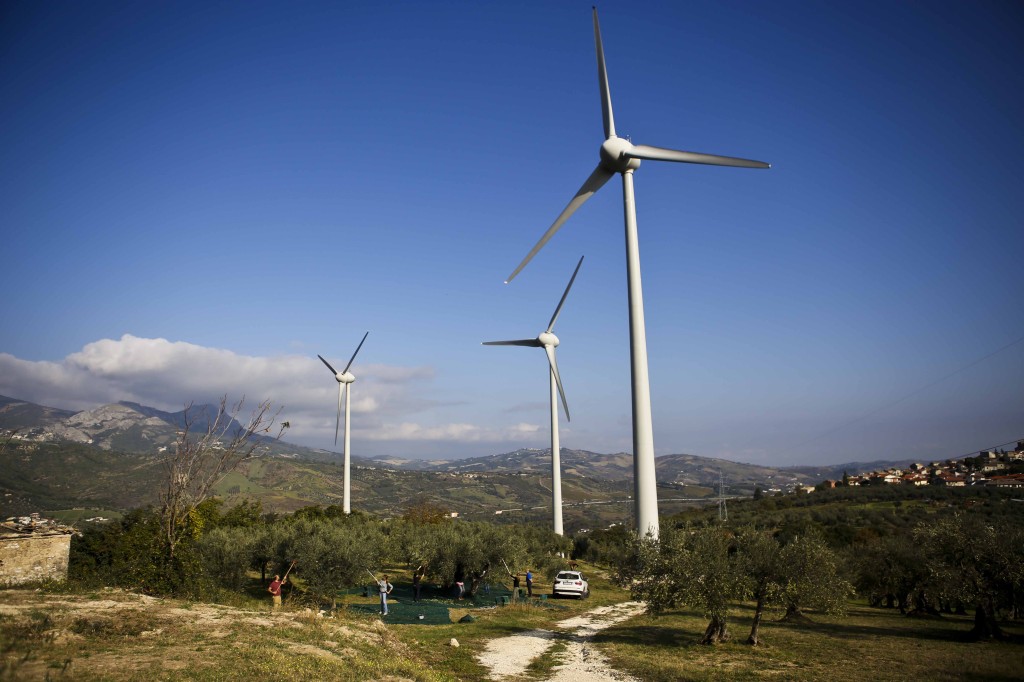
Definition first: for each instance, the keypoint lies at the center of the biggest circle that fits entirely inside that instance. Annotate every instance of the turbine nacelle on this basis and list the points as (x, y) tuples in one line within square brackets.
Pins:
[(344, 378), (548, 339), (615, 155)]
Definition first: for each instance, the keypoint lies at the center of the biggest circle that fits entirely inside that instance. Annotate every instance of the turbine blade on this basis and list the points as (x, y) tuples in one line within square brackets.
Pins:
[(550, 350), (643, 151), (357, 352), (333, 371), (602, 80), (593, 183), (572, 279), (533, 343), (337, 423)]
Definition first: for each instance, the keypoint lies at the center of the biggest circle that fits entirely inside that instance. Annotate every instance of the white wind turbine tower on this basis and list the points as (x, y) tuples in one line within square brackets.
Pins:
[(345, 378), (619, 155), (548, 341)]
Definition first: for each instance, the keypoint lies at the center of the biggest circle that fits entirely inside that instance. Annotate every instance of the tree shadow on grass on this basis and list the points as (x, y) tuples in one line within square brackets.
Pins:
[(499, 629), (913, 630), (887, 623), (646, 635)]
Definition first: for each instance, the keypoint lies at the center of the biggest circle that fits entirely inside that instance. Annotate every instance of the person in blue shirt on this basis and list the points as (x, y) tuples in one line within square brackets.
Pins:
[(385, 590), (529, 583)]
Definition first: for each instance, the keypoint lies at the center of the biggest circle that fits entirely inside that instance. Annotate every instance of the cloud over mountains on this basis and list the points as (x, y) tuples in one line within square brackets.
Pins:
[(171, 374)]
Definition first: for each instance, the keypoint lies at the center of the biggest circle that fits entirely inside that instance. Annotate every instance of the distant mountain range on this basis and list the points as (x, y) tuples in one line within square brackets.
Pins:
[(282, 480), (124, 426), (672, 470), (19, 414)]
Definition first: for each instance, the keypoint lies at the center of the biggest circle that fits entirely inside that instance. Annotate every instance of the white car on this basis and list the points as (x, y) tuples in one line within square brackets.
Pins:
[(570, 583)]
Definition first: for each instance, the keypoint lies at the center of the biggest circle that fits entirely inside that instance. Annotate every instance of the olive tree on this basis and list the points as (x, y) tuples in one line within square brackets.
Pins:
[(760, 561), (331, 554), (465, 552), (267, 539), (696, 568), (976, 562), (227, 555), (812, 578), (473, 553), (802, 573), (891, 569)]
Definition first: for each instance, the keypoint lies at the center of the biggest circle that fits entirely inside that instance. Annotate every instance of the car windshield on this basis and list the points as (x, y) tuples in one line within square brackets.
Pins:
[(565, 575)]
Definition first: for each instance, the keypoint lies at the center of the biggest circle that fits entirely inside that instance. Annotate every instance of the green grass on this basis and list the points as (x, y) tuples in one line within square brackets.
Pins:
[(868, 644), (541, 667)]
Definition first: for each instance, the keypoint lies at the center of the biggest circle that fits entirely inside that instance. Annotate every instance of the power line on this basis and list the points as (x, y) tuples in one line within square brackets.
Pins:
[(907, 396), (1001, 445), (723, 511)]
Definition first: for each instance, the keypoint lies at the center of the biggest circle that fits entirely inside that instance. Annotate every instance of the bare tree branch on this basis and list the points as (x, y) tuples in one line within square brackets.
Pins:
[(10, 436), (199, 461)]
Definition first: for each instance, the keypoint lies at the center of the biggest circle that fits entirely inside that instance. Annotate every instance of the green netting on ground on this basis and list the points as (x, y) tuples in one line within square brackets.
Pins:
[(409, 613), (403, 591), (435, 602)]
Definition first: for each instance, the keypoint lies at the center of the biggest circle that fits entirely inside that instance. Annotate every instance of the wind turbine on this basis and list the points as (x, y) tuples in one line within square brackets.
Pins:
[(344, 379), (548, 341), (621, 156)]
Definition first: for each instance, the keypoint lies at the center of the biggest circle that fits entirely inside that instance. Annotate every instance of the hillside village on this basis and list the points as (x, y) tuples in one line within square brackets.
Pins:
[(995, 468)]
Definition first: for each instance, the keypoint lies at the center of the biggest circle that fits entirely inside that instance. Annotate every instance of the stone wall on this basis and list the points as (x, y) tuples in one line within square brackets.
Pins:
[(32, 558)]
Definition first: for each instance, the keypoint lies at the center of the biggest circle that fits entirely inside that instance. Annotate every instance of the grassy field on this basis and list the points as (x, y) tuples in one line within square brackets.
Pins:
[(867, 644), (111, 635), (73, 516)]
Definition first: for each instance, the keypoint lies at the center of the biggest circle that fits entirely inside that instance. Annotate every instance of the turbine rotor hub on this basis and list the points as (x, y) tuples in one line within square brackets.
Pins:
[(344, 378), (548, 339), (613, 157)]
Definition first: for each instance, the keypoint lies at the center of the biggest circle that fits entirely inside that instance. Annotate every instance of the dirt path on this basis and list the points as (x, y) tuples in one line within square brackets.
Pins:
[(580, 661)]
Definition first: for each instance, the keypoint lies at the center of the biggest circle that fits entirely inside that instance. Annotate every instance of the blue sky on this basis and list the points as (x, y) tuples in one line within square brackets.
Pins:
[(197, 198)]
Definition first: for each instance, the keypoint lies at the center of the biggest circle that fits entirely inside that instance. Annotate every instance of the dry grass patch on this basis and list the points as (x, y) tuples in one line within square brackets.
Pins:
[(123, 636)]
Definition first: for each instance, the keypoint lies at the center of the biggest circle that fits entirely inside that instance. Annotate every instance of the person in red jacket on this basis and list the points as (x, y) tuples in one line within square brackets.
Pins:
[(275, 590)]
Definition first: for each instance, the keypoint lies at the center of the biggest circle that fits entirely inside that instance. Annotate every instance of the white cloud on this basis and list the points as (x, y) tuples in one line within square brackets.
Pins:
[(170, 374), (464, 433)]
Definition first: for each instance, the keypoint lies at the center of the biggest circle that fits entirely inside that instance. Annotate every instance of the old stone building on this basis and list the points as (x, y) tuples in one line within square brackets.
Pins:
[(33, 550)]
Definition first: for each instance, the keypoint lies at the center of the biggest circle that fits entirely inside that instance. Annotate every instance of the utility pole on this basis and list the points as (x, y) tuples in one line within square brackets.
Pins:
[(723, 512)]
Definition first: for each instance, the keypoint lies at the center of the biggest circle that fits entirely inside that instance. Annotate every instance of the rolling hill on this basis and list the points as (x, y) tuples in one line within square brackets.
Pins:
[(110, 458)]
